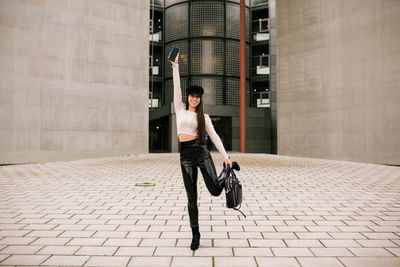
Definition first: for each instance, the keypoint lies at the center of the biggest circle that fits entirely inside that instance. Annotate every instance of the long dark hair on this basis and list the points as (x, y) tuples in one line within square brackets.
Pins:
[(201, 124)]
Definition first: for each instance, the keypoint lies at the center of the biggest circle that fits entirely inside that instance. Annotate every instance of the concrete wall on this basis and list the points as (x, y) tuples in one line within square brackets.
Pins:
[(73, 79), (339, 79)]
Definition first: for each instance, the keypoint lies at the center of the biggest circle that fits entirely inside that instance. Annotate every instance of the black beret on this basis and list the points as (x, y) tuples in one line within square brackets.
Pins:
[(195, 90)]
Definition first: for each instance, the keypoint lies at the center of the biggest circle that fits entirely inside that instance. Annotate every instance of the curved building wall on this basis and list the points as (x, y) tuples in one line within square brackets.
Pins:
[(207, 34), (72, 83), (338, 80)]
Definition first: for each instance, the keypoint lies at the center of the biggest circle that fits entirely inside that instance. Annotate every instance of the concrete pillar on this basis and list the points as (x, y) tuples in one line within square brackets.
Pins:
[(73, 79), (338, 79)]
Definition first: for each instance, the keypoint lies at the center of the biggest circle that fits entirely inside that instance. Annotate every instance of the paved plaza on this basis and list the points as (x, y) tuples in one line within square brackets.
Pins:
[(131, 211)]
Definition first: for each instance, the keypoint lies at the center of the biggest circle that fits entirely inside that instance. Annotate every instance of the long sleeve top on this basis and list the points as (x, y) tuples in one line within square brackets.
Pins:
[(186, 120)]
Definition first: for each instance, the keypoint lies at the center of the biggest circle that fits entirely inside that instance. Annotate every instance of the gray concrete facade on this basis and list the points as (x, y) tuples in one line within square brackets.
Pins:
[(338, 79), (73, 79)]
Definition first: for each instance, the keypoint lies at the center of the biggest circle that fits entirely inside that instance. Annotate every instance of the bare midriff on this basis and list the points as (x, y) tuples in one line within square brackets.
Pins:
[(186, 137)]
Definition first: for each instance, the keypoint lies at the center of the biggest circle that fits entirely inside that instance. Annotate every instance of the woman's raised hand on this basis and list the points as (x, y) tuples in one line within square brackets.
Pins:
[(176, 59)]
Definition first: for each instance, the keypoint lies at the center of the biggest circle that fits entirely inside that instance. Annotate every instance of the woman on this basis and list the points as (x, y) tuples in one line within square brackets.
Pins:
[(192, 125)]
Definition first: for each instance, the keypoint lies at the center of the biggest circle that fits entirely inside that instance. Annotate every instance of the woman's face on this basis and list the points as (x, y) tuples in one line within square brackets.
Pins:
[(194, 100)]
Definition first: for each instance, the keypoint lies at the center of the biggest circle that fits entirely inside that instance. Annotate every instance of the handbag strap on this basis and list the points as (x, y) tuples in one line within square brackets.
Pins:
[(238, 209)]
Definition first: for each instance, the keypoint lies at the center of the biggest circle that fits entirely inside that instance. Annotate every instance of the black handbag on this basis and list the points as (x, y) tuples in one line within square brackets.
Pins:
[(233, 191)]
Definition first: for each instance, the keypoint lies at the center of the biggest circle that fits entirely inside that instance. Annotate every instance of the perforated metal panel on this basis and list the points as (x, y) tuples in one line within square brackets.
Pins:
[(232, 58), (247, 11), (183, 57), (232, 91), (233, 21), (171, 2), (212, 89), (169, 90), (176, 22), (207, 56), (207, 18)]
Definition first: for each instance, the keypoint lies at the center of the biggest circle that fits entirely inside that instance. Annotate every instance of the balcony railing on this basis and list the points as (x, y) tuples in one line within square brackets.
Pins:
[(155, 34), (260, 29), (156, 37), (260, 65), (154, 66), (260, 99), (153, 101), (258, 2)]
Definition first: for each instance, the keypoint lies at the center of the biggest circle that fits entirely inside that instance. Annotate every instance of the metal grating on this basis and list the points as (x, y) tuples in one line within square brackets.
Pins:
[(232, 58), (169, 90), (233, 21), (232, 92), (207, 57), (207, 19), (212, 89), (176, 22), (171, 2)]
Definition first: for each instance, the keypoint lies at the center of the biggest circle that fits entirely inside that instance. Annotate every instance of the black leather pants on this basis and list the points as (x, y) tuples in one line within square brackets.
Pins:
[(192, 156)]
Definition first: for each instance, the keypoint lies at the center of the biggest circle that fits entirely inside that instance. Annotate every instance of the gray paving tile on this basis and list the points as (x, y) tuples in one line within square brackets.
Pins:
[(66, 260), (150, 261), (25, 260), (300, 211)]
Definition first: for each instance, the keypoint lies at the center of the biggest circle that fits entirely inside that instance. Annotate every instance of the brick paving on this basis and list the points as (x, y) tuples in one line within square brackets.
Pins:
[(100, 212)]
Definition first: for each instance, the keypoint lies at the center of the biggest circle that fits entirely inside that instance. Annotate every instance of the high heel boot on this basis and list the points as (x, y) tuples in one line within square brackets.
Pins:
[(235, 166), (195, 239)]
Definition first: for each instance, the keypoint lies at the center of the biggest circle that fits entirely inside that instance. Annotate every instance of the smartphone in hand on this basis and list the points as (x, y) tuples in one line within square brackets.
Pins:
[(173, 54)]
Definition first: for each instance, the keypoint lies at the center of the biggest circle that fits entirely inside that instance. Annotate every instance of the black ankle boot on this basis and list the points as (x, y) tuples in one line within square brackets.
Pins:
[(235, 166), (195, 239)]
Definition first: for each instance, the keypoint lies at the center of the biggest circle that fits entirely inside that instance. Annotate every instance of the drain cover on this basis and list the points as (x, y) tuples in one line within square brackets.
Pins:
[(145, 184)]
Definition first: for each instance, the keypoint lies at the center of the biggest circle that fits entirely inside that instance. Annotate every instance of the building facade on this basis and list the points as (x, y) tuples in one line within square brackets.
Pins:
[(73, 79), (208, 36), (339, 80)]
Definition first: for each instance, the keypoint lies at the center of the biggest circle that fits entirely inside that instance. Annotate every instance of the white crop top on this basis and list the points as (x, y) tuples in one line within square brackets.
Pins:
[(186, 120)]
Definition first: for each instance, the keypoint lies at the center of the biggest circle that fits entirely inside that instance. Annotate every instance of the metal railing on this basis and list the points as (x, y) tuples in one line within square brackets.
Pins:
[(260, 65), (260, 29), (154, 66), (260, 99), (258, 2)]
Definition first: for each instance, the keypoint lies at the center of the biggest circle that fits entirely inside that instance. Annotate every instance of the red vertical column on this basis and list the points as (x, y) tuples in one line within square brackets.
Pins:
[(242, 77)]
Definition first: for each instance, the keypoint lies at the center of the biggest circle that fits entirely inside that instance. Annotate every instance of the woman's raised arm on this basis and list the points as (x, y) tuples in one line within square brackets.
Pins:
[(178, 104)]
